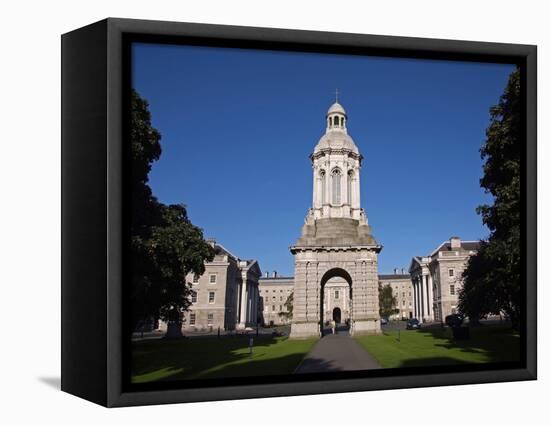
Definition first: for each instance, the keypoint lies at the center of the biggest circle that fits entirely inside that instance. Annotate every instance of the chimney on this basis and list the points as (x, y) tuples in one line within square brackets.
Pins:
[(455, 243), (274, 274)]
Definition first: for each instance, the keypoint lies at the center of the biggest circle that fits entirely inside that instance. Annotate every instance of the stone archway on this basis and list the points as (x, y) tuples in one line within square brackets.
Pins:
[(327, 276), (314, 266)]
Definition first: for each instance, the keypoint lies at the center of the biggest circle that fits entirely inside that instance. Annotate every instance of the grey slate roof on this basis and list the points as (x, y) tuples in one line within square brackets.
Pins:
[(465, 245), (393, 276)]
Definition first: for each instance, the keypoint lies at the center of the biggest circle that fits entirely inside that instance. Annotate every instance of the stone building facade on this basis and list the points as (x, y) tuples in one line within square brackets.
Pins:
[(337, 301), (336, 238), (226, 296), (274, 292), (437, 279), (402, 290)]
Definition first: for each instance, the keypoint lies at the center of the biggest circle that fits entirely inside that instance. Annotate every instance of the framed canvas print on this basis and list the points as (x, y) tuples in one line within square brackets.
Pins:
[(254, 212)]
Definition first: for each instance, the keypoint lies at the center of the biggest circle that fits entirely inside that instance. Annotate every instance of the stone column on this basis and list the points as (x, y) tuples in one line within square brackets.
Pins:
[(244, 303), (431, 299), (429, 308), (422, 297), (415, 299), (250, 301), (251, 319), (315, 188), (357, 191), (344, 188)]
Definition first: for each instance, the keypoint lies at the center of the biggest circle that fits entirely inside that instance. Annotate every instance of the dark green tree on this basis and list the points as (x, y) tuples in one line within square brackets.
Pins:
[(165, 245), (492, 282), (387, 301), (289, 306)]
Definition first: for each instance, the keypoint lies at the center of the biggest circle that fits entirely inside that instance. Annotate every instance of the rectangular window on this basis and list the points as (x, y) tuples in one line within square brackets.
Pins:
[(403, 303), (195, 278), (273, 308), (281, 298), (210, 319), (280, 307), (194, 297), (192, 319), (336, 294), (451, 272), (212, 278), (211, 296), (452, 289)]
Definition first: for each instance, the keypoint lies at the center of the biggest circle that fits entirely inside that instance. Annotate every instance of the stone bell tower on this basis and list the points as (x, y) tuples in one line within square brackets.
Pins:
[(336, 237)]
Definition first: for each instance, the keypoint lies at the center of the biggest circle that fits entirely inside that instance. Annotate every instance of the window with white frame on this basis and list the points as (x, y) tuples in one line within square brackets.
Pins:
[(192, 319), (194, 297), (211, 297), (452, 289), (213, 278), (451, 272), (336, 294), (195, 278), (210, 319)]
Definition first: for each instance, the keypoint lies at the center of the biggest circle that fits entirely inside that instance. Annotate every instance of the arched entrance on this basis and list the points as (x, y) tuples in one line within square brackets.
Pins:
[(337, 315), (324, 323)]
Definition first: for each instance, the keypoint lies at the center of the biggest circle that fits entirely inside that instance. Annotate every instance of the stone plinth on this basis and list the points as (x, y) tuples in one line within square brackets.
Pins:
[(304, 330), (362, 327)]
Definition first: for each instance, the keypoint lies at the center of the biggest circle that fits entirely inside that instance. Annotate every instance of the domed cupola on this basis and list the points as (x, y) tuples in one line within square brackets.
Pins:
[(336, 134), (336, 118)]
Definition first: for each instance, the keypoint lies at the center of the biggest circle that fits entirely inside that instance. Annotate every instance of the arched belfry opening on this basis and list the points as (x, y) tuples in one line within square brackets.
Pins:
[(336, 240)]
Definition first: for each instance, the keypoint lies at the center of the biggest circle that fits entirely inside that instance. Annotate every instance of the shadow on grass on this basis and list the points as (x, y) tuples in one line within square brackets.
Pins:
[(213, 357), (496, 343), (435, 346)]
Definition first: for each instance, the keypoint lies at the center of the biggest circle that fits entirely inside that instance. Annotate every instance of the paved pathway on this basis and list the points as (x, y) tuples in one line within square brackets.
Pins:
[(336, 352)]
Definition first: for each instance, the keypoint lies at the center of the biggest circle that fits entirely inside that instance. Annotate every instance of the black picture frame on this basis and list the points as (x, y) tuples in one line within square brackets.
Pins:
[(95, 83)]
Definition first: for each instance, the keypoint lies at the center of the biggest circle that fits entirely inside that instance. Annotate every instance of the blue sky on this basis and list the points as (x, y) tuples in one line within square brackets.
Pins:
[(238, 126)]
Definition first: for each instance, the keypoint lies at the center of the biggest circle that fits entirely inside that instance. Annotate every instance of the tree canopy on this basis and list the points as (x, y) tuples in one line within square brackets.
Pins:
[(492, 279), (387, 301), (289, 306), (165, 245)]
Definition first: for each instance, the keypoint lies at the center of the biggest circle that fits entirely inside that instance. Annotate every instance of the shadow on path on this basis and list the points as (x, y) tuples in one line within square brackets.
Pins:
[(336, 352)]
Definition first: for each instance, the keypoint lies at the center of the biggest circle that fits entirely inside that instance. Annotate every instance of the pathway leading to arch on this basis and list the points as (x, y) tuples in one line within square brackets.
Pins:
[(336, 352)]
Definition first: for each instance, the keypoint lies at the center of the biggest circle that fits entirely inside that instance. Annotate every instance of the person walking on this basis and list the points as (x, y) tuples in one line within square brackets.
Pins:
[(333, 326)]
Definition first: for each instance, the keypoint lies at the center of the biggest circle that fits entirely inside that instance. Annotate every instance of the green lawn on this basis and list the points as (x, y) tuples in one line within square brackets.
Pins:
[(429, 347), (212, 357)]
